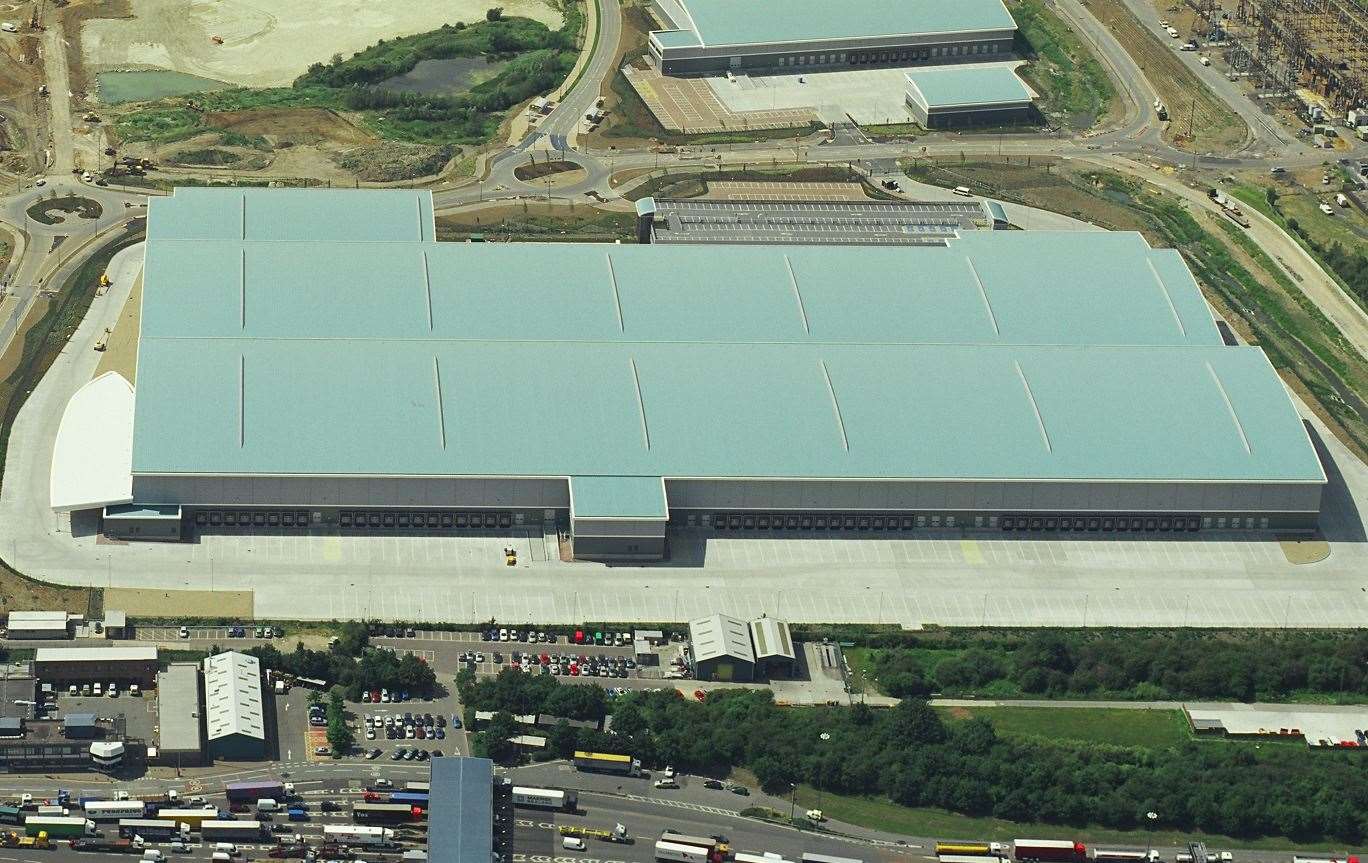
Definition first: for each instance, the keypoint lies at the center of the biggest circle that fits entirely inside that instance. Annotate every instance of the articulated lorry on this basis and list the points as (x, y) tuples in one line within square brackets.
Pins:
[(251, 792), (607, 762), (1049, 850)]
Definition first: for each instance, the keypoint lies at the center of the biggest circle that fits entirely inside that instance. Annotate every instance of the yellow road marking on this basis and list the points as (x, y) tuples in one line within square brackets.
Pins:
[(969, 548)]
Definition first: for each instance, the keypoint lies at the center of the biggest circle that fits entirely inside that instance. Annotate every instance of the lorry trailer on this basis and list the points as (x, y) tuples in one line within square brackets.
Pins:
[(680, 853), (972, 858), (1112, 855), (60, 828), (391, 813), (828, 858), (114, 810), (11, 815), (1054, 850), (356, 834), (412, 798), (107, 846), (973, 849), (230, 831), (607, 762), (192, 817), (152, 829), (545, 798), (251, 792)]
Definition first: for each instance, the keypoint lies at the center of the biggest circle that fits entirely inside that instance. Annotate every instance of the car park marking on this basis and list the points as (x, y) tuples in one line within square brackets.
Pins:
[(684, 804)]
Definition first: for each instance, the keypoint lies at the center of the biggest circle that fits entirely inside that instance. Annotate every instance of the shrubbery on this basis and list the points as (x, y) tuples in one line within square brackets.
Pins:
[(1250, 666), (352, 664)]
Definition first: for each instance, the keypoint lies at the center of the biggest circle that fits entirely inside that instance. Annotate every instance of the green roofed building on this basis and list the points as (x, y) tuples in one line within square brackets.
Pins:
[(969, 95), (719, 35), (313, 360)]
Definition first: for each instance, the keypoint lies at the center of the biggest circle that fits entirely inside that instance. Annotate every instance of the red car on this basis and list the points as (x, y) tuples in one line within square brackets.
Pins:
[(375, 696), (579, 636)]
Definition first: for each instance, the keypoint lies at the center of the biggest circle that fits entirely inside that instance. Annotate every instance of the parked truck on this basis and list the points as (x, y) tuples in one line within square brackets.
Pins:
[(17, 840), (1053, 850), (545, 798), (230, 831), (114, 810), (972, 849), (679, 852), (108, 846), (297, 813), (1115, 855), (251, 792), (357, 834), (152, 829), (607, 762), (60, 828)]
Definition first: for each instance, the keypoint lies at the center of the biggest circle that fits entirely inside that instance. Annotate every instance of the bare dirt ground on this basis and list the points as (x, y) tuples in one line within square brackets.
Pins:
[(292, 125), (121, 349), (267, 44), (141, 602), (21, 594)]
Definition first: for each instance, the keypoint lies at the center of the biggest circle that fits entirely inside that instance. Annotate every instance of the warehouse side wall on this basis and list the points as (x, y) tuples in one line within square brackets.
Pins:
[(835, 53)]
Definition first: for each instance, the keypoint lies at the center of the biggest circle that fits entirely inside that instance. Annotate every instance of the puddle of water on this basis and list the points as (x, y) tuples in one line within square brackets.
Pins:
[(116, 87), (443, 77)]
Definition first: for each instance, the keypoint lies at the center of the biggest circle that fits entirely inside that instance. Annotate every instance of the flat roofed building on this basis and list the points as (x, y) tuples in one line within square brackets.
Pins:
[(181, 737), (234, 718), (1052, 381), (720, 35), (721, 648), (461, 810), (121, 665), (35, 625), (773, 643), (986, 94)]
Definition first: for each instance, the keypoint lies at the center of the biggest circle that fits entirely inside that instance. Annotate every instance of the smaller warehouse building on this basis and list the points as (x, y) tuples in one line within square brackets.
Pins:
[(180, 736), (722, 649), (82, 726), (31, 625), (773, 644), (122, 665), (461, 811), (977, 95), (234, 715)]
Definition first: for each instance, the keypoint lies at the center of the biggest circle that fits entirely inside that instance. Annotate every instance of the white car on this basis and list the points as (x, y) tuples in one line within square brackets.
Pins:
[(370, 734), (185, 632)]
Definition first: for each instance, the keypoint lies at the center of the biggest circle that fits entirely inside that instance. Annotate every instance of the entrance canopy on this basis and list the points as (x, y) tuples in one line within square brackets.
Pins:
[(92, 459)]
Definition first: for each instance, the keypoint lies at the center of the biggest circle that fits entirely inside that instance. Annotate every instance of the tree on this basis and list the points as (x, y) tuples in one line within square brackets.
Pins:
[(340, 736), (494, 741), (494, 14), (352, 638)]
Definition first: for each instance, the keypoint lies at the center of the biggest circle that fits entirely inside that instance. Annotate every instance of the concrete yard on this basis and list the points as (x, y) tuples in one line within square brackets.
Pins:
[(267, 44), (867, 96), (1318, 724)]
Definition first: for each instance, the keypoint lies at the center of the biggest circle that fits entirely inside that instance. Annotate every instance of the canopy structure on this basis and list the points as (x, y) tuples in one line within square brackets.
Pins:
[(92, 458)]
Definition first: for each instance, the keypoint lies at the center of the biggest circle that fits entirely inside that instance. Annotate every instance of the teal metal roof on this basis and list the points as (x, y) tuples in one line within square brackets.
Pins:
[(275, 215), (676, 38), (746, 22), (618, 496), (966, 85), (1004, 355)]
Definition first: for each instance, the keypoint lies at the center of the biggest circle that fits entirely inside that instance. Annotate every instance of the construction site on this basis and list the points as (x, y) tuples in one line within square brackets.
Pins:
[(1312, 51)]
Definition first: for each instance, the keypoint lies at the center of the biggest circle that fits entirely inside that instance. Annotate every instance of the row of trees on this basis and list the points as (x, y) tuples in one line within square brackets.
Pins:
[(513, 693), (352, 664), (908, 754), (1137, 665)]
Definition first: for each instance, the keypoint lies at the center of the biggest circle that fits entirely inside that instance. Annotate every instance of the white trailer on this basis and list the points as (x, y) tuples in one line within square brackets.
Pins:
[(113, 810), (680, 853), (357, 834)]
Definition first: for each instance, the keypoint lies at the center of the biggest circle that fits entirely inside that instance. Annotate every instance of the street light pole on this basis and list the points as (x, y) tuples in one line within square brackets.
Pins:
[(793, 799), (1151, 817)]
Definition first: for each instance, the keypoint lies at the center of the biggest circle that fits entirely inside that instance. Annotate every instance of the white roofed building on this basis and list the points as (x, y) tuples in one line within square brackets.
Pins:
[(233, 707)]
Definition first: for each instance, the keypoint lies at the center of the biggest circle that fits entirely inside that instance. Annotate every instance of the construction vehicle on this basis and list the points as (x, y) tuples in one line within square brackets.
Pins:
[(618, 834), (19, 840)]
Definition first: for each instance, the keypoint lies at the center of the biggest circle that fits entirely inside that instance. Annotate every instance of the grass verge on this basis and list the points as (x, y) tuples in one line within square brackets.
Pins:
[(1116, 726), (1074, 88)]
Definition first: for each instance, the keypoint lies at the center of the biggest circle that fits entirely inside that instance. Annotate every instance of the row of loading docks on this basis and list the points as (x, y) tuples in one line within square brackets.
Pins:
[(252, 518), (1147, 524), (408, 520)]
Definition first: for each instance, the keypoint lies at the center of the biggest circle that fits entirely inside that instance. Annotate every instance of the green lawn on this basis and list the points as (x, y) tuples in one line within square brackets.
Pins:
[(880, 814), (1070, 80), (1150, 728)]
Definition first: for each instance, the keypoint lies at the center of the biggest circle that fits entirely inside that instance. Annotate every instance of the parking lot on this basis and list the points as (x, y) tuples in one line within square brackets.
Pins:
[(689, 105), (217, 634)]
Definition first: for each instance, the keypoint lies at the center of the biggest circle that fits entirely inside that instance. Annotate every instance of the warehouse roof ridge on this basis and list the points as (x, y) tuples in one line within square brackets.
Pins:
[(1004, 355)]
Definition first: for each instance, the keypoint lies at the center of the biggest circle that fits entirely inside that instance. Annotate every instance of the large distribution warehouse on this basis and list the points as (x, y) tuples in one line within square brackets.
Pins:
[(312, 359), (720, 35)]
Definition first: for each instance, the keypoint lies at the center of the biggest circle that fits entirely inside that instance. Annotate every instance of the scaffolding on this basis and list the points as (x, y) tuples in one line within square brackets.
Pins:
[(1287, 45)]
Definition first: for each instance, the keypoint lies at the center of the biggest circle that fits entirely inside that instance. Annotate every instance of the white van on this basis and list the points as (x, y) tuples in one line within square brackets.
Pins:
[(573, 843), (267, 805), (963, 191), (225, 848), (220, 857), (152, 855)]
